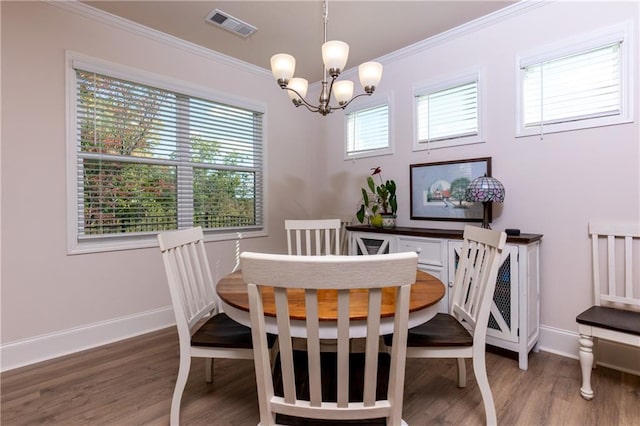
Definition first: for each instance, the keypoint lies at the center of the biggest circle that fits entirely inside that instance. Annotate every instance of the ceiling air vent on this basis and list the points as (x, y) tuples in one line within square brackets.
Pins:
[(229, 23)]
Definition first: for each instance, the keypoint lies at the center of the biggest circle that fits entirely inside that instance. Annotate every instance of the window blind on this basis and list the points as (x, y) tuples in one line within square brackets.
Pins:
[(448, 113), (368, 129), (579, 86), (150, 159)]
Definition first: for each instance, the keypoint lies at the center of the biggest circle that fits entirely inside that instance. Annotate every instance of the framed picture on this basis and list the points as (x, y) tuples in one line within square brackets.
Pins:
[(437, 190)]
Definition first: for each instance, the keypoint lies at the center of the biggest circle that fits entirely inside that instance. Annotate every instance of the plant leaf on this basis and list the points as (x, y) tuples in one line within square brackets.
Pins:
[(360, 214), (372, 185), (391, 187)]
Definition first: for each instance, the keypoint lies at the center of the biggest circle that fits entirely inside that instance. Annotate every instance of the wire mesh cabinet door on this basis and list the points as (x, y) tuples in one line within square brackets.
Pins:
[(503, 320), (362, 243)]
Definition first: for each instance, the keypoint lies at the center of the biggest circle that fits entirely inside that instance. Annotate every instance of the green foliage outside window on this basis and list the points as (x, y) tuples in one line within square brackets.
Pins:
[(142, 161)]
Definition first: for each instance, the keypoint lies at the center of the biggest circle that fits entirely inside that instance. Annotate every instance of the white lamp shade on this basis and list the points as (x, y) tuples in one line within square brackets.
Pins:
[(335, 54), (283, 66), (300, 85), (343, 90), (370, 73)]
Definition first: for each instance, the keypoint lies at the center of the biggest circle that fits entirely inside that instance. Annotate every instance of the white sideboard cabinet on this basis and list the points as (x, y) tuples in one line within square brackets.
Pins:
[(515, 311)]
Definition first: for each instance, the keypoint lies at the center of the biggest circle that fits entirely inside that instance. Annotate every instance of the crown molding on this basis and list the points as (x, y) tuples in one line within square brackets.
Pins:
[(493, 18), (521, 7), (112, 20)]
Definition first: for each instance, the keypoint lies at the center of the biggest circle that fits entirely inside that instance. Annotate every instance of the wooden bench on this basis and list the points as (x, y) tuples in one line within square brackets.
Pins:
[(615, 315)]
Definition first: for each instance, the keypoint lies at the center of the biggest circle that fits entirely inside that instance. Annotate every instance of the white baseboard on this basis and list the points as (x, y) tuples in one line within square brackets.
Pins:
[(558, 341), (609, 354), (41, 348)]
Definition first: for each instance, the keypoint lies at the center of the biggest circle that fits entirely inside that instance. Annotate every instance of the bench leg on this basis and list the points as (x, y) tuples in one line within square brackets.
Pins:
[(586, 363)]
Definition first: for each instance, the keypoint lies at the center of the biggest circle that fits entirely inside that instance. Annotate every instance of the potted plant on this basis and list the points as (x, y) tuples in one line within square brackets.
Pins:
[(379, 202)]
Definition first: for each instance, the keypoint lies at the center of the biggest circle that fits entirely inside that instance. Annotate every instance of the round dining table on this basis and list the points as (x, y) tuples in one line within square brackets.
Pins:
[(426, 292)]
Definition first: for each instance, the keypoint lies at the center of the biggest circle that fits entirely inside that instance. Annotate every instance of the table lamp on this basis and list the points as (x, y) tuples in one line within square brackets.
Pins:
[(485, 189)]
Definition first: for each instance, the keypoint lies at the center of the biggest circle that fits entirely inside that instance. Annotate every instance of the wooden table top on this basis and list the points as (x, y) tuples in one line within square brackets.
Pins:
[(427, 291)]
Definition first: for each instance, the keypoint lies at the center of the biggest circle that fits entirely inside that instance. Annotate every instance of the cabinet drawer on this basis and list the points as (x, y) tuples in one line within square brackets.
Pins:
[(430, 252)]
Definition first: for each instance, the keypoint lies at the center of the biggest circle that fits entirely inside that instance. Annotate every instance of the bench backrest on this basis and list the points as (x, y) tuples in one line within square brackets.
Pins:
[(615, 248)]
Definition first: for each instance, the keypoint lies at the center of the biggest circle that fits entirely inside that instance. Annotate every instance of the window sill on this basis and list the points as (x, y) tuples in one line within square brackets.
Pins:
[(148, 241)]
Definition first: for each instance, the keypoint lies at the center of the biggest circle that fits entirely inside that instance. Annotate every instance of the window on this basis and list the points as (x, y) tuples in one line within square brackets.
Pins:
[(149, 159), (448, 113), (367, 132), (574, 86)]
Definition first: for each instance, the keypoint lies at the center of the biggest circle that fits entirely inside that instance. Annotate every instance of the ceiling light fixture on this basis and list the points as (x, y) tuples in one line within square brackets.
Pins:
[(334, 57)]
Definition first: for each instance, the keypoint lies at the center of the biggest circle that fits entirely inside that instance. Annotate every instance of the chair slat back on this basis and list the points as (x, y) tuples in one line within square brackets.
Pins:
[(615, 251), (340, 274), (475, 278), (344, 241), (190, 282), (313, 237)]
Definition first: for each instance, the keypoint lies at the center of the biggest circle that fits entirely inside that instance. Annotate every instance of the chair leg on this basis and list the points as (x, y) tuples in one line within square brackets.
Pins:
[(208, 370), (181, 382), (462, 373), (480, 371), (585, 354)]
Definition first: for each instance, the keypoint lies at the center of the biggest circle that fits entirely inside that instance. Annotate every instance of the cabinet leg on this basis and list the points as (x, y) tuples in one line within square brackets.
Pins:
[(523, 359)]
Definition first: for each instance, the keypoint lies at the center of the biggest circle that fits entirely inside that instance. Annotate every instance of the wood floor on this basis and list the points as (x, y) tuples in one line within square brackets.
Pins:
[(131, 383)]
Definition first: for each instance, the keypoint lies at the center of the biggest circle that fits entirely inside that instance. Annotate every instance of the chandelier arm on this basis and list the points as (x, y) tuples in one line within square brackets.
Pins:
[(309, 106), (329, 107), (354, 98)]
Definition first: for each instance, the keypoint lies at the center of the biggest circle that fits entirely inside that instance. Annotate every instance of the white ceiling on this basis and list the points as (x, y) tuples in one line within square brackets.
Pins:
[(371, 28)]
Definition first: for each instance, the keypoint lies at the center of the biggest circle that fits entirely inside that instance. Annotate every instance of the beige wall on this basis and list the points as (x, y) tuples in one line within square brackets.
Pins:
[(553, 185), (44, 290)]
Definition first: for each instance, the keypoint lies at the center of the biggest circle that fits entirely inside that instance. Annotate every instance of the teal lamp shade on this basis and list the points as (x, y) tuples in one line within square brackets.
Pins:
[(485, 189)]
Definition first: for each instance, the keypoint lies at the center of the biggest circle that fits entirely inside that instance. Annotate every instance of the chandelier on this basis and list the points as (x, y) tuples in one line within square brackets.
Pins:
[(334, 57)]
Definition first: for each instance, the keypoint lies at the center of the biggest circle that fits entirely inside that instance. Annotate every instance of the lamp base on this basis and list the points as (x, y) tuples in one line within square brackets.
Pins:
[(485, 215)]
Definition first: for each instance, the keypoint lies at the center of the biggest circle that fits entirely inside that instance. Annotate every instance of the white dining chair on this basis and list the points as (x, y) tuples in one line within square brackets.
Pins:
[(313, 236), (462, 332), (203, 331), (315, 385)]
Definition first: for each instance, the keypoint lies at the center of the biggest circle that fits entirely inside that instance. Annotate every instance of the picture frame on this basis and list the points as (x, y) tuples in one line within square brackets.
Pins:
[(438, 189)]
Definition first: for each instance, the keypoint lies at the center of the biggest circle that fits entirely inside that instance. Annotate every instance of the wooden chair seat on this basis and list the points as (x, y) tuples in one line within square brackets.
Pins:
[(441, 330), (329, 367), (220, 331), (612, 319)]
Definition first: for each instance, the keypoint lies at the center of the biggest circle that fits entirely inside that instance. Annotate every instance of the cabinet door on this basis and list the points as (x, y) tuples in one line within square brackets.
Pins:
[(432, 254), (503, 320), (369, 243)]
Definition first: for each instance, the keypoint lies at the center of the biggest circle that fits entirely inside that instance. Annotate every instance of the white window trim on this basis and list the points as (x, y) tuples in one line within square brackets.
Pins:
[(362, 105), (619, 32), (115, 243), (441, 83)]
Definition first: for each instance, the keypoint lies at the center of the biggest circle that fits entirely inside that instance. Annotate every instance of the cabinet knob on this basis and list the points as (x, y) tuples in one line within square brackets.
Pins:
[(418, 250)]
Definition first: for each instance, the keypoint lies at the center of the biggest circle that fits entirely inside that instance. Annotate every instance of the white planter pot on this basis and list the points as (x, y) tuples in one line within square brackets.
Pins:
[(389, 220)]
